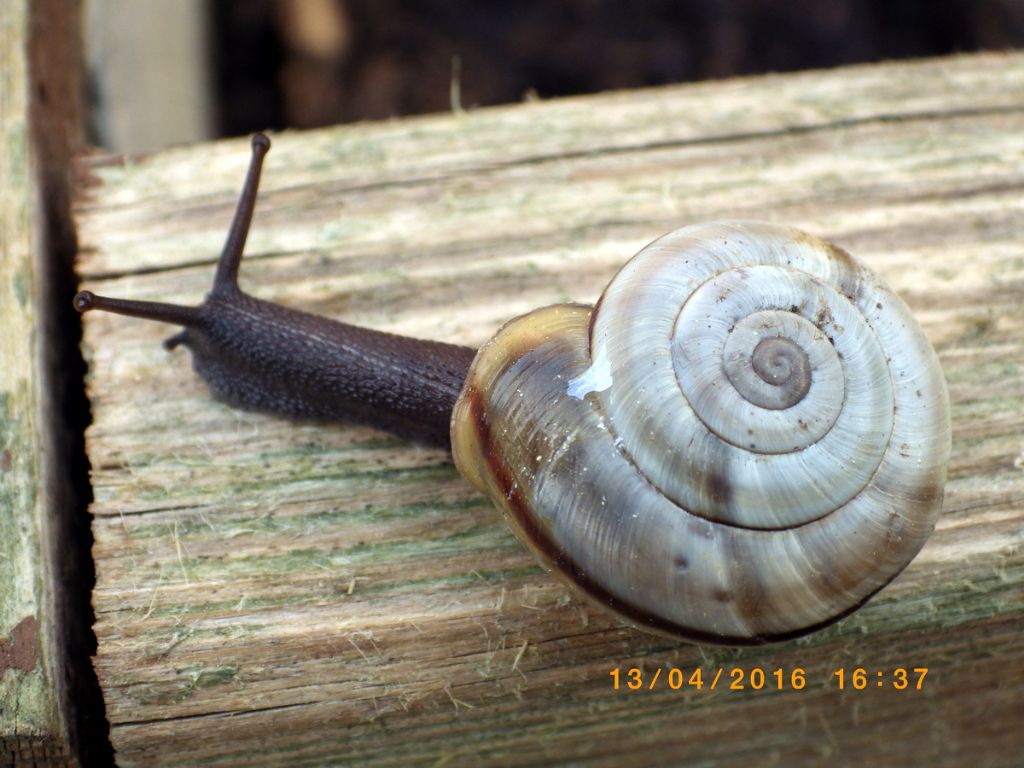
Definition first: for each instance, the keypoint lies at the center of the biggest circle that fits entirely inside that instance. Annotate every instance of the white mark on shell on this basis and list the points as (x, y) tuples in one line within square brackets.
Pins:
[(597, 378)]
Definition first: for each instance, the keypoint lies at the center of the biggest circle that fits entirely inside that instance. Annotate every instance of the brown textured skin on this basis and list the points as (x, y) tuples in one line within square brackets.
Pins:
[(261, 356)]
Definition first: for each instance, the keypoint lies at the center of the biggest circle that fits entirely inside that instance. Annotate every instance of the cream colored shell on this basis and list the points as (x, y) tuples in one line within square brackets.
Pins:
[(743, 441)]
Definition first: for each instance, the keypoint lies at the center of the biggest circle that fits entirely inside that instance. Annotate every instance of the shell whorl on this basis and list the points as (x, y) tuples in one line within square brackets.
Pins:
[(745, 439)]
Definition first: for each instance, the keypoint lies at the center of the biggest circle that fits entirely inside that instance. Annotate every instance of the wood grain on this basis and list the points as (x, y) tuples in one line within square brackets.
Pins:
[(28, 705), (274, 592), (37, 721)]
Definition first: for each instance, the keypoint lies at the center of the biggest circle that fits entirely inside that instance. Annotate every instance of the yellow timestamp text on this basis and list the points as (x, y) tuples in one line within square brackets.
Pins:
[(758, 678), (900, 678)]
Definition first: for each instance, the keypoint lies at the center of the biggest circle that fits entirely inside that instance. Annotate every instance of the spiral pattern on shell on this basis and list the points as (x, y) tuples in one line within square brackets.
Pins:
[(744, 440)]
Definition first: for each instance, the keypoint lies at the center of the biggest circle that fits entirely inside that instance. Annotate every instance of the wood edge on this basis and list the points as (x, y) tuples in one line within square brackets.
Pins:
[(54, 66)]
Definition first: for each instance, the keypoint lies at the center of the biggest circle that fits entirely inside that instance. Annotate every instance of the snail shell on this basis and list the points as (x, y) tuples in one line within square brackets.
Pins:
[(743, 441)]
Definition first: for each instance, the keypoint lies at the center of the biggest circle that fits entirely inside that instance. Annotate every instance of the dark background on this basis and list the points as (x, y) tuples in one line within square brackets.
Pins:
[(306, 63)]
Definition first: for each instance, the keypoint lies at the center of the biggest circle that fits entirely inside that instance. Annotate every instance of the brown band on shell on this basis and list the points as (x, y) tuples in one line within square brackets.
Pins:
[(749, 597)]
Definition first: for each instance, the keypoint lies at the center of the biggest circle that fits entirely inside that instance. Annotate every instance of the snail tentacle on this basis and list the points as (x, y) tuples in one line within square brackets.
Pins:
[(265, 357)]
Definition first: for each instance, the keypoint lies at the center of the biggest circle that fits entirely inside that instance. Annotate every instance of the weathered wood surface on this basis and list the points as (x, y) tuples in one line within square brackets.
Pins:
[(28, 701), (38, 112), (270, 592), (46, 700)]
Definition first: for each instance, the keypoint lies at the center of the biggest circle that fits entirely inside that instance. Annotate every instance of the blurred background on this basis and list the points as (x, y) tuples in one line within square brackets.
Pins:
[(164, 72)]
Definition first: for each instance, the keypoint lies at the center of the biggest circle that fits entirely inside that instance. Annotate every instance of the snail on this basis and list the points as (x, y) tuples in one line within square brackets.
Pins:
[(742, 441)]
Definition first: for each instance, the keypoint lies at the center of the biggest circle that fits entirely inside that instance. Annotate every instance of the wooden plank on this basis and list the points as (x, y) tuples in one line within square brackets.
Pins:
[(38, 119), (29, 719), (270, 591)]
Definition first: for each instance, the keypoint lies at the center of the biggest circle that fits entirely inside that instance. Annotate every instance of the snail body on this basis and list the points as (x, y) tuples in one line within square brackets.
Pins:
[(743, 440)]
